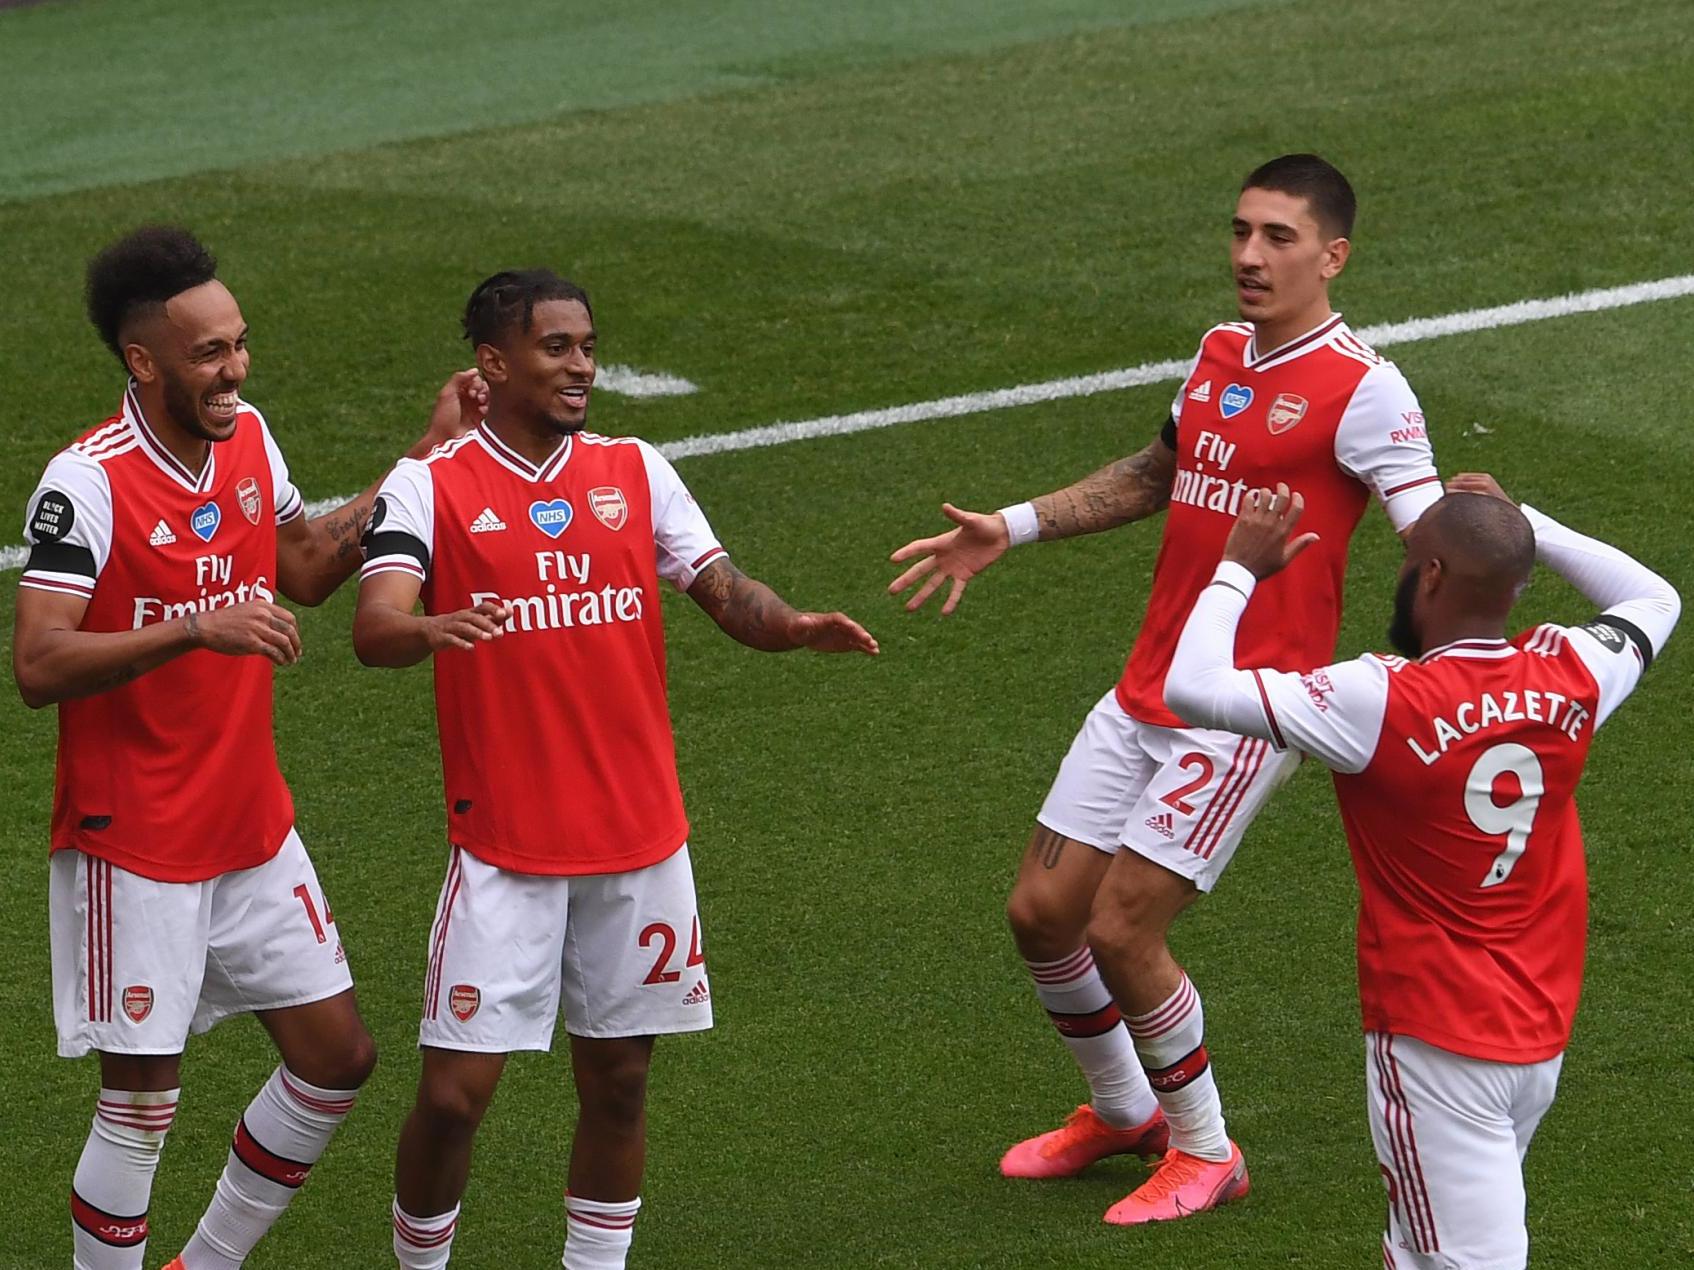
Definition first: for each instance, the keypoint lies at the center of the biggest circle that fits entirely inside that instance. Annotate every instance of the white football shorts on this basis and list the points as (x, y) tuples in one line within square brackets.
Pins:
[(138, 964), (1182, 797), (622, 950), (1450, 1135)]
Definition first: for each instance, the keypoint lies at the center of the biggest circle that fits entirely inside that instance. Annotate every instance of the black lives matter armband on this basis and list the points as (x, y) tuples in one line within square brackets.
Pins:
[(1616, 634), (49, 527), (1167, 434), (379, 542)]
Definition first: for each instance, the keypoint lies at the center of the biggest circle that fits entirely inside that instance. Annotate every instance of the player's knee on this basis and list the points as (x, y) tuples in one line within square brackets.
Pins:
[(358, 1062), (451, 1108), (348, 1065), (616, 1088), (1042, 928), (1121, 936)]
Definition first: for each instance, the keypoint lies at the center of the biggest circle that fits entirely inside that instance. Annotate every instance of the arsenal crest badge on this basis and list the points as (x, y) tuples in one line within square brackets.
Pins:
[(138, 1002), (1286, 411), (608, 505), (464, 1001), (247, 494)]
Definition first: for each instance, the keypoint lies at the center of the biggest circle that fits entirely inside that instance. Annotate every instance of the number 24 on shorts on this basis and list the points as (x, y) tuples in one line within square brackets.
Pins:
[(664, 935)]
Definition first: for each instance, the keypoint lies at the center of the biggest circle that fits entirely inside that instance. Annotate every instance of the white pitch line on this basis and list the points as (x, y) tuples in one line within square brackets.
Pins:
[(1407, 332), (1160, 372), (629, 382)]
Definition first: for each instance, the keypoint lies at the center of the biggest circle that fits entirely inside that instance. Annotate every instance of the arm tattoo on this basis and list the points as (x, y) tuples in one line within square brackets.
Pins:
[(747, 610), (1046, 846), (116, 679), (193, 626), (345, 526), (1118, 493)]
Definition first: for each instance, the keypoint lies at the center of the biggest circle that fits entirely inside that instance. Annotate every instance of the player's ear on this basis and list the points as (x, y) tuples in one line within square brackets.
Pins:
[(140, 363), (1335, 255), (1433, 575), (491, 363)]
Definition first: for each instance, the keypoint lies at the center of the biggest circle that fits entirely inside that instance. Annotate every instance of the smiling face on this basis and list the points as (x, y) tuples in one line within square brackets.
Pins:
[(545, 373), (1282, 257), (192, 355)]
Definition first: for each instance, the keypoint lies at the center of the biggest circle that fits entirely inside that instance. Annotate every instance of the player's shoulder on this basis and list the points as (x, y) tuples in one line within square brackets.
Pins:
[(1232, 335), (1546, 640), (443, 454), (602, 446), (246, 412), (80, 469), (100, 444), (1344, 342), (1552, 642), (599, 438)]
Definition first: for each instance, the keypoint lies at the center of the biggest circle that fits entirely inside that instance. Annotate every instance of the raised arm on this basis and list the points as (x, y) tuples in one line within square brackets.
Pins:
[(1638, 608), (753, 614), (1129, 489), (316, 555), (1333, 713)]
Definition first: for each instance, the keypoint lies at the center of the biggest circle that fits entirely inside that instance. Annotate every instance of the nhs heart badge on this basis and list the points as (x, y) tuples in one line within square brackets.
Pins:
[(551, 518), (1235, 399), (204, 521)]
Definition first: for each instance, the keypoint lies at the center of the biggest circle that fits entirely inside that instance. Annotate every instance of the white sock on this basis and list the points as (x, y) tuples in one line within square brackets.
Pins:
[(279, 1137), (598, 1233), (114, 1178), (424, 1243), (1075, 998), (1170, 1042)]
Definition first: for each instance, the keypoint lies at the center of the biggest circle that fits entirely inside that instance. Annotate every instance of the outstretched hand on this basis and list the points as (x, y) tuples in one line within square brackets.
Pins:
[(957, 555), (1260, 540), (831, 633)]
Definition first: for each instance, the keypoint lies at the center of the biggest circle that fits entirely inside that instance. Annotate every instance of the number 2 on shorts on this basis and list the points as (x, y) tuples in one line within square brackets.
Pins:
[(1178, 797)]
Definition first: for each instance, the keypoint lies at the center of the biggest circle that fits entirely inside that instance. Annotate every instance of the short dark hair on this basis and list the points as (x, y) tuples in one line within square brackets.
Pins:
[(1316, 180), (1495, 538), (141, 271), (508, 300)]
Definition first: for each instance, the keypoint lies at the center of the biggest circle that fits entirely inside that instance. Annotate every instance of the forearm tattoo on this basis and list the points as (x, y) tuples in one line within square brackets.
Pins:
[(116, 678), (1118, 493), (747, 610)]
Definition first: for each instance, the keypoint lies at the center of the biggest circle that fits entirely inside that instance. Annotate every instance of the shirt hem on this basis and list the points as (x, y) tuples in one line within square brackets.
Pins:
[(537, 866), (1467, 1047), (161, 871)]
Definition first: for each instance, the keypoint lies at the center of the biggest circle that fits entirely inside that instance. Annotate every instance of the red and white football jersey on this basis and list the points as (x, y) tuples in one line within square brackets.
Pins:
[(1457, 776), (1323, 413), (556, 744), (174, 775)]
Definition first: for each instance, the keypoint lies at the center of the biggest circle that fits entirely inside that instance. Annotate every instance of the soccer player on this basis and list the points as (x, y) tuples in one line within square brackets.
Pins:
[(1146, 812), (1456, 774), (537, 548), (180, 893)]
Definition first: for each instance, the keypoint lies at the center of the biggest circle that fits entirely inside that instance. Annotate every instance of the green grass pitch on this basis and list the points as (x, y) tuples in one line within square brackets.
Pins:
[(821, 207)]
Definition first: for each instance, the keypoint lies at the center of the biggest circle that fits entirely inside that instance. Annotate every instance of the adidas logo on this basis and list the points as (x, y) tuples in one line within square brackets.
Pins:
[(161, 536), (487, 522), (1162, 824), (1203, 393), (699, 994)]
